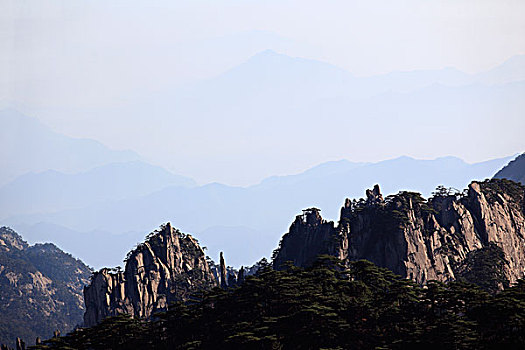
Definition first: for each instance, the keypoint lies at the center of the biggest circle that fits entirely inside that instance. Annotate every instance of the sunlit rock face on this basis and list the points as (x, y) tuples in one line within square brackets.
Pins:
[(167, 267), (416, 238)]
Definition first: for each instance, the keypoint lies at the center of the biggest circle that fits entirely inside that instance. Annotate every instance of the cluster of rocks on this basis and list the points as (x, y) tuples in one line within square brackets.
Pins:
[(418, 239), (226, 276), (20, 345)]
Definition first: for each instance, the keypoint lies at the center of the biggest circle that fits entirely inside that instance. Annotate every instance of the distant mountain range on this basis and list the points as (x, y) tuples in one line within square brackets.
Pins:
[(26, 145), (245, 222), (272, 75), (53, 191), (311, 108)]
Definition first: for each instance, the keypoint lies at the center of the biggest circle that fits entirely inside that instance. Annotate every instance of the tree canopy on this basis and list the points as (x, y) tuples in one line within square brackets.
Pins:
[(332, 305)]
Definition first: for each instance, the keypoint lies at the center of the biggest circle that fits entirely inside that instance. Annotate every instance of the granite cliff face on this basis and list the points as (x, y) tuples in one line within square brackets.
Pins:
[(424, 240), (167, 267), (40, 289)]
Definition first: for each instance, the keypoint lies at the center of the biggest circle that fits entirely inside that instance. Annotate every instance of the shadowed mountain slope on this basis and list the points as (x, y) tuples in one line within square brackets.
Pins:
[(40, 289), (514, 171)]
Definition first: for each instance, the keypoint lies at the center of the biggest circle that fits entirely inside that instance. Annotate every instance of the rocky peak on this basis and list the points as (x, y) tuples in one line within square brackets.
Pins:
[(374, 196), (309, 236), (418, 238), (311, 216), (167, 267), (9, 239)]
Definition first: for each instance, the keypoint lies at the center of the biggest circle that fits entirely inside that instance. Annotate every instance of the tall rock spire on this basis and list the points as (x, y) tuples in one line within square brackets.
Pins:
[(224, 281)]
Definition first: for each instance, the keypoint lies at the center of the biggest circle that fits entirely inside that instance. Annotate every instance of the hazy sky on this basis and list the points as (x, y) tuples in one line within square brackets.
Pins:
[(81, 66)]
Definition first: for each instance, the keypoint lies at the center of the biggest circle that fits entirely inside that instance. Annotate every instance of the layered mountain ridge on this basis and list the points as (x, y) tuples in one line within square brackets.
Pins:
[(234, 223)]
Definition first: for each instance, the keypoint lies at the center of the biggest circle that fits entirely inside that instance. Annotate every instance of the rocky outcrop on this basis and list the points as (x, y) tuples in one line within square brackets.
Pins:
[(309, 236), (40, 289), (416, 238), (167, 267)]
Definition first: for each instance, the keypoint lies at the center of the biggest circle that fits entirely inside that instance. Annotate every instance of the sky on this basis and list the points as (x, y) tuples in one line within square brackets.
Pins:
[(96, 69)]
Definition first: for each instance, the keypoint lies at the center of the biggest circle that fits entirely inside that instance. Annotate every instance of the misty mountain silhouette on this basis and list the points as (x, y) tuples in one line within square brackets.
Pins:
[(263, 211)]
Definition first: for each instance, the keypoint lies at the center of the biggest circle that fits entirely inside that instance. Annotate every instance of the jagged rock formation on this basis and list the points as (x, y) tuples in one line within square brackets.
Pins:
[(40, 289), (415, 238), (167, 267), (308, 237), (514, 171)]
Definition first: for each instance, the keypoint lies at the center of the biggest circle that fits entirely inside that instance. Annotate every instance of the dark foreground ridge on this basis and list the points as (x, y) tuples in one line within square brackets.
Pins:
[(331, 305)]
